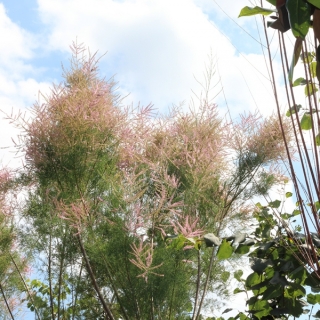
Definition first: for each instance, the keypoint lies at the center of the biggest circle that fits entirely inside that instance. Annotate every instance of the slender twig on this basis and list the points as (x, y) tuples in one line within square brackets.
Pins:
[(107, 310), (50, 278), (197, 288), (206, 283), (6, 302), (76, 295), (115, 290), (138, 313), (61, 272), (173, 290), (25, 285)]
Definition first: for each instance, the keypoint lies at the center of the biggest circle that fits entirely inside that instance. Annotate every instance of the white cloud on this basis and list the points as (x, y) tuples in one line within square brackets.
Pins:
[(15, 42), (15, 97), (17, 89), (155, 48)]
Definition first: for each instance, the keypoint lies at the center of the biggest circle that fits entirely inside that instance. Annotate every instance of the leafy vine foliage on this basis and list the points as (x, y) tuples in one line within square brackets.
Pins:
[(280, 285), (287, 267), (295, 15)]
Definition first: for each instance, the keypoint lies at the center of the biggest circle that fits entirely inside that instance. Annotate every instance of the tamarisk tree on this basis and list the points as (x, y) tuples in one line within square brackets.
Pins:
[(119, 199)]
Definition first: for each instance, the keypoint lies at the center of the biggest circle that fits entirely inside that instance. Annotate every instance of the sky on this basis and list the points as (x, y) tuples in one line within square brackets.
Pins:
[(157, 51)]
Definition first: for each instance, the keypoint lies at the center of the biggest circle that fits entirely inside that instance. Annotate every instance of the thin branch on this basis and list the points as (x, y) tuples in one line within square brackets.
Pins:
[(6, 302), (25, 285), (93, 280)]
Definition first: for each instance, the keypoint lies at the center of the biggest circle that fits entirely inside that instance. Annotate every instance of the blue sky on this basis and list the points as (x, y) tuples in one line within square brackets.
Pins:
[(156, 49)]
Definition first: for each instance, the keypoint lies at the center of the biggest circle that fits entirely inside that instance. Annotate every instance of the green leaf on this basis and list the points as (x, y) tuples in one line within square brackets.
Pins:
[(237, 290), (262, 307), (293, 110), (275, 204), (310, 89), (225, 250), (277, 279), (313, 69), (318, 139), (273, 2), (294, 306), (243, 316), (254, 279), (299, 82), (306, 121), (227, 310), (307, 57), (299, 17), (286, 216), (273, 291), (225, 275), (288, 194), (296, 212), (238, 274), (249, 11), (295, 290), (295, 57), (197, 245), (317, 205), (259, 265), (178, 243), (242, 249), (316, 3), (312, 298), (259, 205)]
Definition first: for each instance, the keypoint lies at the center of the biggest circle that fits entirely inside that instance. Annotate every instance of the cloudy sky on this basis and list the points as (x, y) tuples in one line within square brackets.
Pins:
[(155, 49)]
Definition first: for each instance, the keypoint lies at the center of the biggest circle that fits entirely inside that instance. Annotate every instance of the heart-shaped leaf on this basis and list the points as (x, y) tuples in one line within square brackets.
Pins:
[(249, 11), (225, 250), (316, 3), (306, 121), (295, 58), (299, 17)]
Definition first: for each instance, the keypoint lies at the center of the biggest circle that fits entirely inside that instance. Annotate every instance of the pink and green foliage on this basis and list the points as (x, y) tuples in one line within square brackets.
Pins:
[(111, 183), (13, 264), (143, 254), (188, 229)]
